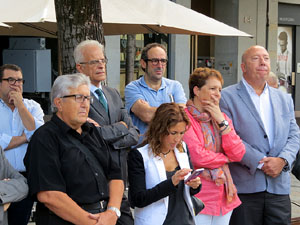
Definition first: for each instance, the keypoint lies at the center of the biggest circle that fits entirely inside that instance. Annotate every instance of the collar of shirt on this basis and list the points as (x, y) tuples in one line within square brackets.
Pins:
[(144, 84), (254, 97), (251, 90), (93, 88), (86, 127)]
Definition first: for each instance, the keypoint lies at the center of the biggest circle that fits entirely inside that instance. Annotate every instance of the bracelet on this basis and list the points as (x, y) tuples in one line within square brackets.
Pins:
[(221, 131)]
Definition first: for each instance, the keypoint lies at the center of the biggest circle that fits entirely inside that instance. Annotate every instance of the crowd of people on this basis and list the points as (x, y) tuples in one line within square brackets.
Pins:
[(221, 157)]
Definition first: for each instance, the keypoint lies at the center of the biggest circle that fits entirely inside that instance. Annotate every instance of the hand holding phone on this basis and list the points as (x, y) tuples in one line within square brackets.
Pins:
[(194, 174)]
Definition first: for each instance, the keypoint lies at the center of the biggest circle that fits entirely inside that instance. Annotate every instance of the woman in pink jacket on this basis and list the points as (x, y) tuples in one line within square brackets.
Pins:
[(213, 144)]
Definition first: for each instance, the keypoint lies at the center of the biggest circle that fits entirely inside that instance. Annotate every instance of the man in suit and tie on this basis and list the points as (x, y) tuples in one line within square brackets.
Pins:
[(264, 119), (115, 124)]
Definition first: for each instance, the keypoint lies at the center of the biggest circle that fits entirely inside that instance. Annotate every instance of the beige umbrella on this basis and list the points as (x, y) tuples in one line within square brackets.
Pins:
[(159, 16), (119, 17), (28, 18), (38, 29)]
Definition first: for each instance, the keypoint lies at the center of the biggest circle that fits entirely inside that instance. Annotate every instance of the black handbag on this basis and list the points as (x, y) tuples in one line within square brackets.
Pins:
[(296, 167), (198, 205)]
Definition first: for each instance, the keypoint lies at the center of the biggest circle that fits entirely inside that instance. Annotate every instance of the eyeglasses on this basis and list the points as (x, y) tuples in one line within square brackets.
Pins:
[(155, 61), (95, 62), (80, 98), (11, 80)]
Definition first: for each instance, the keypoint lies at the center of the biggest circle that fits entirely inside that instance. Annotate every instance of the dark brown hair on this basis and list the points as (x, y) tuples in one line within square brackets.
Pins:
[(144, 54), (8, 67), (166, 116), (200, 76)]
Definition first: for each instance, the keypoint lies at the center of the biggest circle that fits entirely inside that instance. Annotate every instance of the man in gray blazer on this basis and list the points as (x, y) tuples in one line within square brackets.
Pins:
[(13, 187), (108, 111), (264, 119)]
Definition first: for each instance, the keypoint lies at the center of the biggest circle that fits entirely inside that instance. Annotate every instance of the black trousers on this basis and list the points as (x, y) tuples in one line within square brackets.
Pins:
[(262, 208), (19, 213)]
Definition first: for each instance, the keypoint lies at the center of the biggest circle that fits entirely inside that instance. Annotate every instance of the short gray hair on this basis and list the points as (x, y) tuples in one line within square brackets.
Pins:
[(64, 83), (78, 56)]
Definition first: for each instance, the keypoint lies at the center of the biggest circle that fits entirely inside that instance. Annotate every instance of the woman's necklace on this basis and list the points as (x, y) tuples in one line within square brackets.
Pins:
[(165, 154)]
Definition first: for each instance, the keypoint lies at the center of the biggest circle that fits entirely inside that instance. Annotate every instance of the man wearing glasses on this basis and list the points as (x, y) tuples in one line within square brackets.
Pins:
[(70, 169), (20, 117), (143, 96), (108, 111)]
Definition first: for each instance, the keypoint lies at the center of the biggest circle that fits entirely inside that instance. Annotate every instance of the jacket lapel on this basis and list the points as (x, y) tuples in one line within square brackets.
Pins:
[(274, 98), (97, 106), (109, 99), (245, 97), (181, 159), (161, 173)]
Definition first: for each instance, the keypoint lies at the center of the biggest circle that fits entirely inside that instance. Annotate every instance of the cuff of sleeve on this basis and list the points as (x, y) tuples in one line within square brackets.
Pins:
[(123, 129), (195, 191), (286, 166), (230, 139), (115, 176), (5, 140), (28, 134)]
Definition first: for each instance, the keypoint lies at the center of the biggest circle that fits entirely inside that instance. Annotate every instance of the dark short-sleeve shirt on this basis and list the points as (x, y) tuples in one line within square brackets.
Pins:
[(55, 161)]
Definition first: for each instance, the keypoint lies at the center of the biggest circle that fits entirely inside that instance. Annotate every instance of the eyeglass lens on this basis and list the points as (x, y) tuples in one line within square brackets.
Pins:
[(155, 61), (11, 80)]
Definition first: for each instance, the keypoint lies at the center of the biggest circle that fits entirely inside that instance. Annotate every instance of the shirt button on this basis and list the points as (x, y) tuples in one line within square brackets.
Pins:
[(102, 193), (96, 174)]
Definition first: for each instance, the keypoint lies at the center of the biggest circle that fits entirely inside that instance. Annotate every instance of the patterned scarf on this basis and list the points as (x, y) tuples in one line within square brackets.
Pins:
[(213, 142)]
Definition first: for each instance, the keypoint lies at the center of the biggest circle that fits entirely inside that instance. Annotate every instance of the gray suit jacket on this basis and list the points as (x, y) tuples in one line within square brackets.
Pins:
[(237, 104), (112, 131), (13, 190)]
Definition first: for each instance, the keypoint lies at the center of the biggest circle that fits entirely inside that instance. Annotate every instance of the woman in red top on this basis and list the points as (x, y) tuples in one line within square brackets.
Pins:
[(213, 144)]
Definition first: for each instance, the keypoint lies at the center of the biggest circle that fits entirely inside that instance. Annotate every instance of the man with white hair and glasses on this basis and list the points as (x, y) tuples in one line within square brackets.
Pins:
[(108, 112)]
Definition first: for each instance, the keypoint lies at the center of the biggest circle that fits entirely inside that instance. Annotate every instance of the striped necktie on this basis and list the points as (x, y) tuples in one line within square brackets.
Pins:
[(102, 99)]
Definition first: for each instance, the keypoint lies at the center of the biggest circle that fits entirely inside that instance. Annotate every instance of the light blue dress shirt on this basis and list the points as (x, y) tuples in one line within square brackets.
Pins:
[(11, 125)]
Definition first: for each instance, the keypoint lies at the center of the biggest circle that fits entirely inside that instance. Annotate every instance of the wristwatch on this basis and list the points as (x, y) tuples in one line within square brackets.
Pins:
[(116, 210), (223, 123), (286, 166)]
